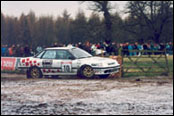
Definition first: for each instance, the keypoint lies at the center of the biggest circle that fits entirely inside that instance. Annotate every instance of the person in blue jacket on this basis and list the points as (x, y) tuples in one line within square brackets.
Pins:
[(130, 47)]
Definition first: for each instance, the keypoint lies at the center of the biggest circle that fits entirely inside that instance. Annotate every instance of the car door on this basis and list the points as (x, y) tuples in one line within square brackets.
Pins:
[(64, 62), (47, 61)]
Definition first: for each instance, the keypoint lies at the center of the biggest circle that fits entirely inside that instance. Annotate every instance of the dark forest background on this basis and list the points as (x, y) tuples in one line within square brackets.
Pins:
[(146, 21)]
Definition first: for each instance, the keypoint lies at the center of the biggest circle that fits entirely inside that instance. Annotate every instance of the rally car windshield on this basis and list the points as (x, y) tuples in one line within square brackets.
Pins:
[(79, 53)]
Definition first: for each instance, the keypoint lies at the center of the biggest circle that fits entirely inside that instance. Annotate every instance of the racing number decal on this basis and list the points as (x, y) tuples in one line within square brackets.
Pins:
[(66, 67)]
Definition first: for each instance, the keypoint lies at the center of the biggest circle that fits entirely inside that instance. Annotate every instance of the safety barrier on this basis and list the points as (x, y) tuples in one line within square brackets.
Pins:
[(9, 63)]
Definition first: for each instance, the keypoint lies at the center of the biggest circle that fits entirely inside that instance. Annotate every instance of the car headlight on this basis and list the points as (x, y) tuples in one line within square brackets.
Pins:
[(97, 64)]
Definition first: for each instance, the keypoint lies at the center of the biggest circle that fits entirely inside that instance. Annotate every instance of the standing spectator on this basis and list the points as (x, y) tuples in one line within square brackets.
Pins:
[(120, 48), (156, 48), (7, 52), (18, 51), (98, 46), (167, 49), (32, 53), (135, 47), (107, 48), (80, 45), (39, 49), (162, 48), (69, 45), (149, 48), (125, 49), (27, 51), (93, 49), (22, 54), (130, 47), (140, 47), (87, 47), (145, 47), (11, 50), (102, 46), (14, 49), (4, 50), (171, 48), (55, 44), (114, 49)]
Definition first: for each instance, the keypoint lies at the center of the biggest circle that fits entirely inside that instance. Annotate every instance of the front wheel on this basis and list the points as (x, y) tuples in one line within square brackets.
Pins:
[(87, 71), (34, 72)]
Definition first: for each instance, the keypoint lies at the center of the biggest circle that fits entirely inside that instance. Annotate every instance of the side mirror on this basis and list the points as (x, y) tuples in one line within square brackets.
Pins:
[(71, 58)]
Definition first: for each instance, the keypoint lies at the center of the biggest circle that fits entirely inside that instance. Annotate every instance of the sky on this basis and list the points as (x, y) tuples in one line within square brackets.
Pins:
[(51, 8)]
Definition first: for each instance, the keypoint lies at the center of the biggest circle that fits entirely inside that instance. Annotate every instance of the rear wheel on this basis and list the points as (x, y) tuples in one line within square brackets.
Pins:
[(34, 72), (86, 72)]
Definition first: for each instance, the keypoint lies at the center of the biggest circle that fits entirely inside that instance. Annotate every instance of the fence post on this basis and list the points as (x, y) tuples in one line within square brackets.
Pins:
[(119, 60), (122, 67), (167, 64)]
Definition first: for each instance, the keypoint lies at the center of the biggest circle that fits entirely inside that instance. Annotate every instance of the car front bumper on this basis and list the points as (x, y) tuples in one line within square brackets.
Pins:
[(107, 70)]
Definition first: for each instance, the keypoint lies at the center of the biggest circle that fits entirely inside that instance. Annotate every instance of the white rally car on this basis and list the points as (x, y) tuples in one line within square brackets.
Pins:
[(67, 61)]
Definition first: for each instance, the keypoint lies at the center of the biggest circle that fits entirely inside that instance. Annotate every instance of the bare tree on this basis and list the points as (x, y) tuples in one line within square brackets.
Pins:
[(104, 7), (153, 15)]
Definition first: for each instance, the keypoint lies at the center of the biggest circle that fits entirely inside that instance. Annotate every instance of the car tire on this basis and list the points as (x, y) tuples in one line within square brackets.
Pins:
[(34, 72), (104, 76), (86, 71)]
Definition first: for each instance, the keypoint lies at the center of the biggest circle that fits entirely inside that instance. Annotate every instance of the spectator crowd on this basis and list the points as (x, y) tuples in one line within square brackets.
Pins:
[(107, 48)]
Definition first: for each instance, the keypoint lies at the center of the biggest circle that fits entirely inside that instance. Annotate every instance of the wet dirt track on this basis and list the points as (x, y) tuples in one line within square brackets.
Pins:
[(79, 96)]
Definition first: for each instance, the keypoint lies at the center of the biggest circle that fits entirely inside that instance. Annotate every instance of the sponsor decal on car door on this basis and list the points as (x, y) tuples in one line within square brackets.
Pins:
[(47, 63)]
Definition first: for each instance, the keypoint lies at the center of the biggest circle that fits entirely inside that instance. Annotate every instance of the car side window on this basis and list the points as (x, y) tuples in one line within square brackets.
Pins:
[(50, 54), (63, 54), (40, 54)]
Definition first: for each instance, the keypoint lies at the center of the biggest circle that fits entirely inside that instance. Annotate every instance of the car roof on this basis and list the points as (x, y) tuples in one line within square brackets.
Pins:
[(60, 48)]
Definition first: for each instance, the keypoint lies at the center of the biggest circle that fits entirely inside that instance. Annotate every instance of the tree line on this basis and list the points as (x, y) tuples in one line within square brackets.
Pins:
[(146, 21)]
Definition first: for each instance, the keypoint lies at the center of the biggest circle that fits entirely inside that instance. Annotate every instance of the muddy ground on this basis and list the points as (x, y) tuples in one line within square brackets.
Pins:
[(74, 96)]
